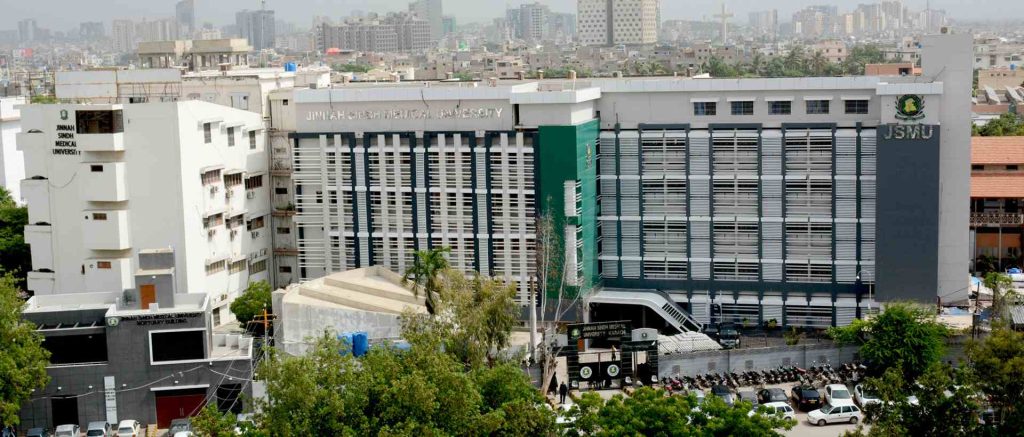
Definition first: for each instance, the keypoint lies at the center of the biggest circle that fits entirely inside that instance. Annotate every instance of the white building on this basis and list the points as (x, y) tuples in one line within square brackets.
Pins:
[(12, 164), (105, 182), (614, 22)]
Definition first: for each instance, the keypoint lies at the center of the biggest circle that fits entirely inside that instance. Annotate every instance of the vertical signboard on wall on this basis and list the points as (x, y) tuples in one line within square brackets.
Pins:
[(110, 398)]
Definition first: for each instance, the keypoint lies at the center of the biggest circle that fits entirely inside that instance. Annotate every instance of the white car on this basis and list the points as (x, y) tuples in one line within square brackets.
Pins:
[(67, 431), (834, 414), (781, 408), (838, 394), (129, 428), (864, 397)]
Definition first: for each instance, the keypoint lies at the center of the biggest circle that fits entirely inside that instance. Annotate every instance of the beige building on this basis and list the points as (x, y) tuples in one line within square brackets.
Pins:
[(615, 22), (1000, 78)]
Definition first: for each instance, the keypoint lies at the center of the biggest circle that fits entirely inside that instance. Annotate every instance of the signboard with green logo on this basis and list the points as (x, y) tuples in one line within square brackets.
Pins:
[(909, 107)]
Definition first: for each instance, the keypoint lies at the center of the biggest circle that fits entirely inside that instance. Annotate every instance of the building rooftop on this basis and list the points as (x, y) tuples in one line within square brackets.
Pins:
[(997, 150), (374, 289), (997, 186)]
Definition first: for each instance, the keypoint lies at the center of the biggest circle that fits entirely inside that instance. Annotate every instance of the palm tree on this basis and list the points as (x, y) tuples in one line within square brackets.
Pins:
[(423, 274)]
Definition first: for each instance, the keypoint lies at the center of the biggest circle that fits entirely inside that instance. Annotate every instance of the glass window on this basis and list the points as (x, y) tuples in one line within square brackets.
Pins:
[(99, 122), (817, 107), (743, 108), (974, 167), (207, 133), (1012, 167), (96, 168), (231, 137), (780, 108), (705, 108), (856, 106), (252, 140)]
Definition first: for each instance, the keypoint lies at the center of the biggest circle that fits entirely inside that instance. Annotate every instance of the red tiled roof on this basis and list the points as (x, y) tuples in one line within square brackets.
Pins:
[(997, 150), (997, 186)]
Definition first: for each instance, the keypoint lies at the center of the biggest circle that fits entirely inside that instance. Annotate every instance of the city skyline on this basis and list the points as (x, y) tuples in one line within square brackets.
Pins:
[(301, 12)]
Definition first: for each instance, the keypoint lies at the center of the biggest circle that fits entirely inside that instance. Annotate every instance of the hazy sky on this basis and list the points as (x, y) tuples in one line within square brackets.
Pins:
[(65, 14)]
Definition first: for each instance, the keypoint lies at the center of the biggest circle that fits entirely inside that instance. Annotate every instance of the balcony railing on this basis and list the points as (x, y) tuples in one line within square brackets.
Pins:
[(996, 218)]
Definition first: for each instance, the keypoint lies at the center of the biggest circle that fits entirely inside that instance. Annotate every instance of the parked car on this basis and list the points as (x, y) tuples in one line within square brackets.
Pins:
[(781, 408), (38, 432), (179, 425), (834, 414), (838, 394), (864, 397), (748, 396), (729, 336), (724, 393), (129, 428), (806, 397), (697, 394), (99, 429), (766, 395), (68, 431)]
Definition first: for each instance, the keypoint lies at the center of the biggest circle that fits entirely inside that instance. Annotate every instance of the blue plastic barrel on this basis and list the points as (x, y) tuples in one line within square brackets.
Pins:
[(360, 343), (290, 66)]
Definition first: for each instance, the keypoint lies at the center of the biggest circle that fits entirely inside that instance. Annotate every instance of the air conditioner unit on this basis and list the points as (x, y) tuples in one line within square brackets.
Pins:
[(250, 195), (255, 234), (229, 193), (233, 233), (211, 232), (214, 189)]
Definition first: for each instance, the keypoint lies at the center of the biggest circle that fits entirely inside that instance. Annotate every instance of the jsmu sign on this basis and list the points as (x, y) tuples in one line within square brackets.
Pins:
[(908, 132)]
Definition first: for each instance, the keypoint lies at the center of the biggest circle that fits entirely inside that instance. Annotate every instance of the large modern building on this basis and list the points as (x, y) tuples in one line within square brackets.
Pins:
[(393, 32), (433, 12), (615, 22), (106, 181), (800, 200), (257, 27), (12, 162)]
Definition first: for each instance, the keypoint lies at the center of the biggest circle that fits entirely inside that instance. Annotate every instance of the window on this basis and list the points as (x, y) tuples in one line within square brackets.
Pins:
[(977, 167), (284, 230), (213, 220), (780, 108), (99, 122), (96, 168), (211, 177), (207, 133), (856, 106), (817, 107), (102, 264), (257, 267), (705, 108), (99, 216), (231, 137), (76, 349), (284, 269), (177, 345), (281, 190), (215, 267), (252, 140), (237, 266), (1012, 167), (743, 108), (284, 102), (233, 179), (254, 224), (253, 182)]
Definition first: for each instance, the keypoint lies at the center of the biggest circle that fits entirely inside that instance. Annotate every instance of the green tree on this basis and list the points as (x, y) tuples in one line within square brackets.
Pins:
[(476, 317), (252, 302), (905, 336), (43, 99), (351, 67), (426, 267), (651, 412), (15, 257), (998, 364), (23, 359), (1002, 292), (946, 405), (1007, 124), (210, 422)]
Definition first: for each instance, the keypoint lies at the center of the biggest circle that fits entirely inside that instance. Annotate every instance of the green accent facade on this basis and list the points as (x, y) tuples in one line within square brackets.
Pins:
[(569, 153)]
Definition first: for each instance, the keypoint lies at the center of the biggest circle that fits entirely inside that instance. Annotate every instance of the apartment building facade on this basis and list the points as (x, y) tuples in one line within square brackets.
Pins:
[(391, 33), (615, 22), (785, 199), (105, 181)]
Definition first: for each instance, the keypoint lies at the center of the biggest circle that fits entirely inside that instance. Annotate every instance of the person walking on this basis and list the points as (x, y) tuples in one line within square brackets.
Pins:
[(562, 391)]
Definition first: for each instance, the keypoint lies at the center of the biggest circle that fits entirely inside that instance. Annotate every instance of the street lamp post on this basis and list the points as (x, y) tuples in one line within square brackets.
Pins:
[(871, 288)]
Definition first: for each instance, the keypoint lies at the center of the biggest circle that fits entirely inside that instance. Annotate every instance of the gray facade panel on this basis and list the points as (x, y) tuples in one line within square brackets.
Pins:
[(907, 215)]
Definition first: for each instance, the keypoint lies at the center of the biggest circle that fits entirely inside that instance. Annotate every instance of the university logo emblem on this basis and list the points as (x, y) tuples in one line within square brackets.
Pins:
[(586, 372), (613, 370), (909, 107), (63, 114)]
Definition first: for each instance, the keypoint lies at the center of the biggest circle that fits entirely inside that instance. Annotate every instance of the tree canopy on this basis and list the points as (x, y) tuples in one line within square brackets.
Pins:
[(798, 62), (1008, 124), (23, 359), (998, 365), (15, 257), (252, 302), (904, 336), (650, 412), (423, 274)]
